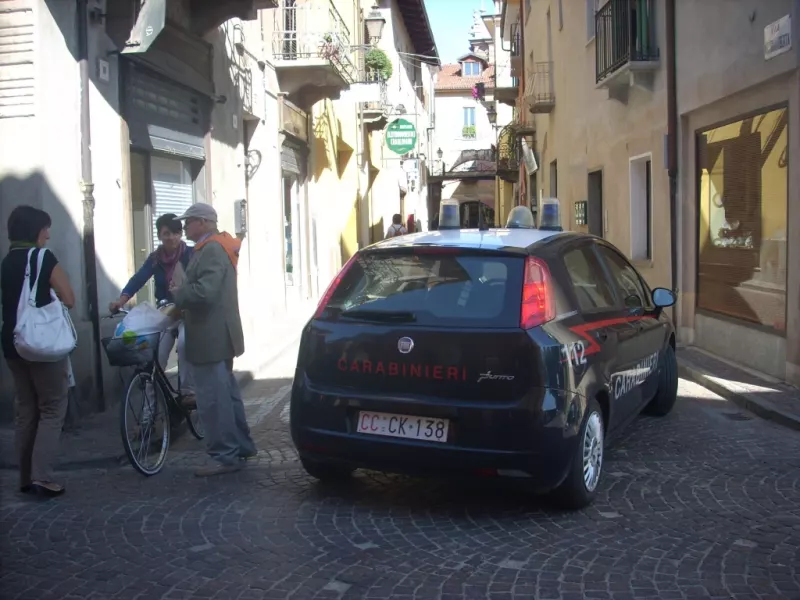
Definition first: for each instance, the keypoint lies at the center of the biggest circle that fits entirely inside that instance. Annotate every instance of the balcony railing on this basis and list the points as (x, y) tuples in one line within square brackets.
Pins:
[(516, 41), (382, 104), (313, 30), (539, 92), (624, 33)]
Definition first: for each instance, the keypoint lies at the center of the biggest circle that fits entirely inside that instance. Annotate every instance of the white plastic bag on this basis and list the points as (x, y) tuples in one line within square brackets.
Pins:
[(42, 334), (143, 319)]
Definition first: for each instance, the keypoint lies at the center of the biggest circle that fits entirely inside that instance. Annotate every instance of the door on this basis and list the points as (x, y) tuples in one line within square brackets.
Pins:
[(650, 331), (142, 218), (602, 334), (594, 206)]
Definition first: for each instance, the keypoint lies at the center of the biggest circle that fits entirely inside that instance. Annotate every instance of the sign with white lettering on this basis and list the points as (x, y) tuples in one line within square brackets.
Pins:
[(778, 37), (401, 136)]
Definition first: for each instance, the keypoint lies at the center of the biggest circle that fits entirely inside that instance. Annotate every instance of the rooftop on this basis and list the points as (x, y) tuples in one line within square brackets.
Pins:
[(450, 78)]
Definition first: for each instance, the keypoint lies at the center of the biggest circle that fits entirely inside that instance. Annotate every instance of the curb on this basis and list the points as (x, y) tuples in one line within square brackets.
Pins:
[(751, 402)]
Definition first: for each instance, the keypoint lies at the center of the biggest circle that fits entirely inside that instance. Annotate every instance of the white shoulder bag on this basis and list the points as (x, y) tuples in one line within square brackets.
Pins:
[(46, 333)]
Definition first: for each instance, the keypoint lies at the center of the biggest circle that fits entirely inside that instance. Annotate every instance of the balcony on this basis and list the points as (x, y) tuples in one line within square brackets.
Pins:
[(506, 89), (311, 48), (376, 110), (540, 96), (626, 49), (508, 152)]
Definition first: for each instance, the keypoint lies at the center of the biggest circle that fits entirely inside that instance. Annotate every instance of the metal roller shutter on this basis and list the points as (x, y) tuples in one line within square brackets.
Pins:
[(293, 158), (172, 189), (164, 116)]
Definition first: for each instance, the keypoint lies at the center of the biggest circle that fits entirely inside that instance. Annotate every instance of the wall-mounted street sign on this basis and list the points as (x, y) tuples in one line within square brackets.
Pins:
[(401, 136), (778, 37)]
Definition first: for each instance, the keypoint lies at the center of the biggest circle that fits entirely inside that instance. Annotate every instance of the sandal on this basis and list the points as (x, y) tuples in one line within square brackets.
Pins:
[(47, 488)]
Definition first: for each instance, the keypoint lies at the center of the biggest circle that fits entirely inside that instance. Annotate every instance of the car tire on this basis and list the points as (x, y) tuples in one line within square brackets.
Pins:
[(325, 471), (578, 490), (662, 403)]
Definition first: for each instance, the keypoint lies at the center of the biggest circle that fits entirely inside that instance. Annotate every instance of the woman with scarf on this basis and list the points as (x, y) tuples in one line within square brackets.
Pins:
[(41, 399), (160, 266)]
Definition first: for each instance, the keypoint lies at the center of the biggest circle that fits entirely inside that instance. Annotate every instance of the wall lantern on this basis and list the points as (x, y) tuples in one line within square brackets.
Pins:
[(439, 153), (491, 113), (375, 23)]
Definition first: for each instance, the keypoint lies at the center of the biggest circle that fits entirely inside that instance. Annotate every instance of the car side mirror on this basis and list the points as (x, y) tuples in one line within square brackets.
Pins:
[(662, 297)]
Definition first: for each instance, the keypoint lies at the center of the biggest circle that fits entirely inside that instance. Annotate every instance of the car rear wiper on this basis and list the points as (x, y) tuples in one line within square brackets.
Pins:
[(387, 316)]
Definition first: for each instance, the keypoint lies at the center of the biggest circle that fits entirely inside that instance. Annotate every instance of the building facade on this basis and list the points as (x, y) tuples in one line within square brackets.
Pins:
[(739, 117), (467, 121), (603, 145), (238, 104)]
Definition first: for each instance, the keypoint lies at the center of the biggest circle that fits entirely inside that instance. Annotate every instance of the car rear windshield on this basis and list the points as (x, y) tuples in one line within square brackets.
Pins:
[(440, 289)]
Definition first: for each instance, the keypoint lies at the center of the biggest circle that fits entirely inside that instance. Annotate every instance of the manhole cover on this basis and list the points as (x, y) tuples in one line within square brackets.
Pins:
[(737, 416)]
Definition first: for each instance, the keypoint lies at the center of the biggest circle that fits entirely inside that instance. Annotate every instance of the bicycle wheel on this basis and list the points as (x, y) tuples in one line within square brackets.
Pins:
[(195, 424), (141, 412)]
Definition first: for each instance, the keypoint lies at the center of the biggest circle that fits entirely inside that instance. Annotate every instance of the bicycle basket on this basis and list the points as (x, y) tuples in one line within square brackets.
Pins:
[(132, 351)]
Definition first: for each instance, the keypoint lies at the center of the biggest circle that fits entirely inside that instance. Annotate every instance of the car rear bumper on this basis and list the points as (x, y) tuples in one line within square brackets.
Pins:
[(532, 439)]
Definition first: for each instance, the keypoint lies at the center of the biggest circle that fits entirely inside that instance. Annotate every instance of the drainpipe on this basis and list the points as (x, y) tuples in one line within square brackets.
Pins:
[(672, 140), (87, 189)]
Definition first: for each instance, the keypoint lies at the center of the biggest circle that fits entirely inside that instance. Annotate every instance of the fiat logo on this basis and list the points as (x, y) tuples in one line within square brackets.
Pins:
[(405, 345)]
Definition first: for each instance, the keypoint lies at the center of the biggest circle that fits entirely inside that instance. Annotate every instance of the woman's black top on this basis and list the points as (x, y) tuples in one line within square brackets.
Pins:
[(12, 276)]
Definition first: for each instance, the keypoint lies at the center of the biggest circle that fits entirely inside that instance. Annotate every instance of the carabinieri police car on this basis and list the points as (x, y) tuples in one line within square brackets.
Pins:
[(513, 352)]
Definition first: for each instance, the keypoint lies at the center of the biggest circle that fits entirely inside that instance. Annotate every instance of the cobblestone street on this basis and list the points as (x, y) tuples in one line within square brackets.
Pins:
[(702, 504)]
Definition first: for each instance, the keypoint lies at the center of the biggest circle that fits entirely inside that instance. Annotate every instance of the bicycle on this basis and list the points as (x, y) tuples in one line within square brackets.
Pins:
[(141, 353)]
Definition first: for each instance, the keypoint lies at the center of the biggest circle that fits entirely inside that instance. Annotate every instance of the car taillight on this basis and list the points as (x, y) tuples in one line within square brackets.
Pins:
[(326, 297), (538, 306)]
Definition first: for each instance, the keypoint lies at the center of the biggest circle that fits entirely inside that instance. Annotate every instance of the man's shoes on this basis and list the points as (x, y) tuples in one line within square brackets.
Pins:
[(189, 402), (248, 455), (217, 469)]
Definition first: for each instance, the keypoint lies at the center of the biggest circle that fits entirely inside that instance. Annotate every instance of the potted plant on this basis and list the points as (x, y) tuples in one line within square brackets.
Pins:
[(378, 64), (329, 48), (468, 132)]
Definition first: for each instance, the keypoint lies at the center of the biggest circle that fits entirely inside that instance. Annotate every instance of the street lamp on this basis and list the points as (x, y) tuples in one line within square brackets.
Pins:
[(439, 153), (491, 114), (375, 23)]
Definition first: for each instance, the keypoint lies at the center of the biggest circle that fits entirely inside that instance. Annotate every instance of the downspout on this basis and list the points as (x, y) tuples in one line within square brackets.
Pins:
[(87, 189), (672, 140)]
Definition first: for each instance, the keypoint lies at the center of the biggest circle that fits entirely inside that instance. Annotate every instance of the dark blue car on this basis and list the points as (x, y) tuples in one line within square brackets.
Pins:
[(513, 353)]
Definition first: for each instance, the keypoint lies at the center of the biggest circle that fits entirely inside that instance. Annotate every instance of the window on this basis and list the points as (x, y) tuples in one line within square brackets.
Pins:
[(471, 69), (588, 281), (554, 179), (468, 131), (634, 293), (743, 193), (641, 209), (442, 290)]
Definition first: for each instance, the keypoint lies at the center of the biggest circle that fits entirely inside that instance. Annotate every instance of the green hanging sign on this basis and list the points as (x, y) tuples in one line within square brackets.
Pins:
[(401, 136)]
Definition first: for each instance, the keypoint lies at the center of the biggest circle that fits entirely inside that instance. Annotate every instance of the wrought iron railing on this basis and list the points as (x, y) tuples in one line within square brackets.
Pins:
[(382, 104), (624, 32), (516, 40), (314, 29), (508, 150), (539, 88)]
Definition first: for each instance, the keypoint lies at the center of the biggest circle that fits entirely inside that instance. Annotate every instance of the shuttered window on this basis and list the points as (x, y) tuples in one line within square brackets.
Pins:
[(743, 193), (17, 68), (172, 189)]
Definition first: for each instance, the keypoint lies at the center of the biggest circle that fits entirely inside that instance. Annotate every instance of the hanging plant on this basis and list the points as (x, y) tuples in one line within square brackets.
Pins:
[(378, 62)]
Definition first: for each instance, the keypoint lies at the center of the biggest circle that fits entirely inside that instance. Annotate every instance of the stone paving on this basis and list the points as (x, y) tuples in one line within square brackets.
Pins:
[(702, 504)]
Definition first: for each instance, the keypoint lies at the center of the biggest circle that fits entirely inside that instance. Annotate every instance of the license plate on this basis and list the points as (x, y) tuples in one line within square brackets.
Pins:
[(403, 426)]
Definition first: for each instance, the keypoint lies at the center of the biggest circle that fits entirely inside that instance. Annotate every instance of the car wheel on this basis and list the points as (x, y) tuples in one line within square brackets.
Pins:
[(326, 472), (579, 488), (667, 394)]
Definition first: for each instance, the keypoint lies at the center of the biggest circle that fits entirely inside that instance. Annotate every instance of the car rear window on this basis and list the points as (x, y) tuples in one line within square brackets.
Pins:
[(442, 289)]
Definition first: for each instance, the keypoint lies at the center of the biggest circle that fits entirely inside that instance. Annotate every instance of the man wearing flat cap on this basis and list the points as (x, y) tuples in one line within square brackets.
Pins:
[(209, 299)]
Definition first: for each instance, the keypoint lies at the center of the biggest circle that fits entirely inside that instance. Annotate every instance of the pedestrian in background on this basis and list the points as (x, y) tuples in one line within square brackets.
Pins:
[(209, 299), (396, 228), (42, 387)]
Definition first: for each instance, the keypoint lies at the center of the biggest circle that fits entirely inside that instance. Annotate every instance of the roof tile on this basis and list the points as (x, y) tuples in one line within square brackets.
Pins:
[(450, 78)]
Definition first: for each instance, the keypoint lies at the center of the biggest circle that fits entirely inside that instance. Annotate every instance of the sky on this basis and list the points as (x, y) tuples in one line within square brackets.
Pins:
[(451, 21)]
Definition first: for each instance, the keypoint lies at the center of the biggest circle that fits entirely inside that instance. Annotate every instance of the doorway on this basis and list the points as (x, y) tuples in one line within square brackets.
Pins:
[(594, 206)]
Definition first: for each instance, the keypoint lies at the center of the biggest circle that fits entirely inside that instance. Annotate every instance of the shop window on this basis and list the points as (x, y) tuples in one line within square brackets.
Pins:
[(743, 193)]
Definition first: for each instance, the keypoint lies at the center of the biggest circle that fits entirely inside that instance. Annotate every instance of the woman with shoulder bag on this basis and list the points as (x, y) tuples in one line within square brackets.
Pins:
[(41, 387)]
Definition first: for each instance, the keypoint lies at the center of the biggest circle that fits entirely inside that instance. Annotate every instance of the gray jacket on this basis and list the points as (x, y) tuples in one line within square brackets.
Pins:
[(210, 301)]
